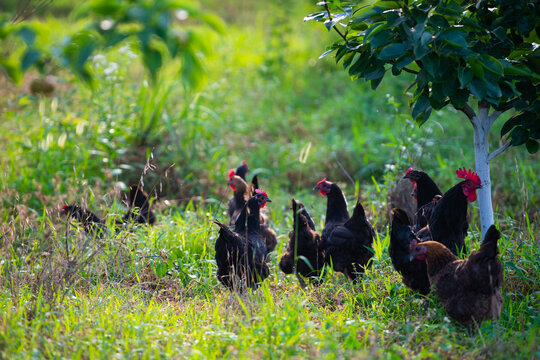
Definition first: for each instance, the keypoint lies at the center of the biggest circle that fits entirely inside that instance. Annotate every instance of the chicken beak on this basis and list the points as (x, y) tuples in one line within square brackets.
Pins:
[(411, 257), (268, 200), (316, 187)]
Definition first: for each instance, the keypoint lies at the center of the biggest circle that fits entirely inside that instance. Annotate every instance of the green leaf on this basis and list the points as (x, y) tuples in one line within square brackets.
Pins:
[(438, 21), (367, 12), (465, 76), (392, 51), (375, 83), (432, 64), (478, 88), (454, 37), (420, 106), (360, 65), (403, 62), (29, 58), (375, 74), (152, 61), (381, 39), (28, 35), (326, 53), (512, 70), (476, 67), (509, 125), (519, 136), (500, 33), (394, 18), (373, 30), (335, 19), (493, 89), (491, 64), (532, 146), (459, 98), (316, 16)]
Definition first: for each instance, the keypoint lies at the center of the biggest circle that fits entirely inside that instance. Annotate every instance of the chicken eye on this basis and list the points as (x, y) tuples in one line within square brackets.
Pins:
[(418, 248)]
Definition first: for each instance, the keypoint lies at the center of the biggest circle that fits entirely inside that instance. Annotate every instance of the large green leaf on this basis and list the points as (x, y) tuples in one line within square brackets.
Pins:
[(392, 51), (532, 146), (491, 64), (152, 60), (30, 57)]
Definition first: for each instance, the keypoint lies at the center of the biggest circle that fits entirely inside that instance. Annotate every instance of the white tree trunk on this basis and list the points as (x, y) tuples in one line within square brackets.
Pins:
[(482, 124)]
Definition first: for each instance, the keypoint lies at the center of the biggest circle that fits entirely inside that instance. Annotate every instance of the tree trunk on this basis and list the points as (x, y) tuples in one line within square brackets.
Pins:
[(482, 124)]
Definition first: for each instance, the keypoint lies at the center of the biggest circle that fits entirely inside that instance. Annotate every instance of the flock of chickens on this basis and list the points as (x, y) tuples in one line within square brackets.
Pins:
[(425, 252)]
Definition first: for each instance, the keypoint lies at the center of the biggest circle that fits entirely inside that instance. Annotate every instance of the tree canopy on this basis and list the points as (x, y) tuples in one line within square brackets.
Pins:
[(457, 51)]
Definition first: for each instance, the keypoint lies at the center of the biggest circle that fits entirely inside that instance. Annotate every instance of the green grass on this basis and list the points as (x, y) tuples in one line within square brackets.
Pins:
[(152, 292)]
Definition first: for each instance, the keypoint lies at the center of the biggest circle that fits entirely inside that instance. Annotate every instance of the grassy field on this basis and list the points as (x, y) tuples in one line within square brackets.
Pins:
[(152, 292)]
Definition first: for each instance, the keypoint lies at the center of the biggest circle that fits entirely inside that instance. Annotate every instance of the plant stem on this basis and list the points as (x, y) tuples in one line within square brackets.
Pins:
[(335, 28)]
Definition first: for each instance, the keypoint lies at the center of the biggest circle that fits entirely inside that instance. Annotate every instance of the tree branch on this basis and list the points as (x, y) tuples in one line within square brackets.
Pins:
[(335, 28), (410, 71), (499, 151), (468, 110), (508, 105)]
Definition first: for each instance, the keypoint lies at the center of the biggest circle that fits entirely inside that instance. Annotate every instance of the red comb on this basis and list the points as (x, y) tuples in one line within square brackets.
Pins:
[(244, 162), (231, 174), (64, 208), (408, 171), (259, 191), (320, 182), (468, 175)]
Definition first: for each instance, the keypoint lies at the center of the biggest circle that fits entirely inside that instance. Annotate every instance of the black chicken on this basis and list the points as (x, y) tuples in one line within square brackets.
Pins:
[(139, 211), (91, 223), (413, 272), (139, 207), (337, 211), (304, 254), (241, 193), (347, 242), (425, 191), (241, 254), (350, 246), (470, 289), (242, 170)]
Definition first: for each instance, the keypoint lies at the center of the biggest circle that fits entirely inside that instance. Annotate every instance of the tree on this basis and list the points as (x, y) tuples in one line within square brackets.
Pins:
[(481, 53)]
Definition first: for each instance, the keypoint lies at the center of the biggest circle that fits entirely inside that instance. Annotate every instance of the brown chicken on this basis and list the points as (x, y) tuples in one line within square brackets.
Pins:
[(304, 256), (470, 289)]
